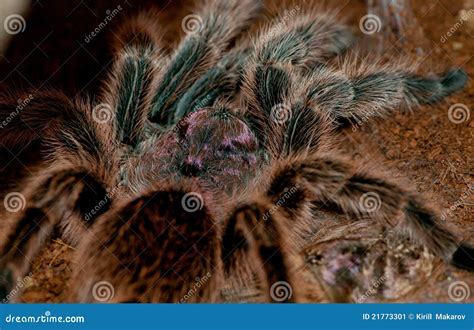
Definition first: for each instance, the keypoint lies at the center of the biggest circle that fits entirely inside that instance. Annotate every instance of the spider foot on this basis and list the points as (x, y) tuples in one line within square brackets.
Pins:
[(454, 80)]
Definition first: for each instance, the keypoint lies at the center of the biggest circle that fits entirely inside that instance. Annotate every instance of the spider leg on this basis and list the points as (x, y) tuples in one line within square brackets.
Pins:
[(209, 34), (222, 79), (253, 235), (159, 247), (282, 52), (26, 117), (371, 92), (128, 91), (66, 127), (333, 183), (306, 40), (67, 198), (54, 198)]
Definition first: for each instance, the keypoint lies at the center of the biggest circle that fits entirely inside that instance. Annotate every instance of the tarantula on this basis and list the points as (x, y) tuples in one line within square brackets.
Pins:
[(212, 156)]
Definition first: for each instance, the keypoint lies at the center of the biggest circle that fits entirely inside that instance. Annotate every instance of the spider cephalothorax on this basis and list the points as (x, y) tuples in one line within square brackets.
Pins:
[(211, 144), (216, 158)]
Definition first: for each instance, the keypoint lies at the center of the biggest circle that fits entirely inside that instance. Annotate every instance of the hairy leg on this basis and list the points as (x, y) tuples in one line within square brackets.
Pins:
[(66, 127), (129, 89), (212, 30), (66, 198), (221, 80), (371, 91), (253, 236), (333, 183), (283, 51)]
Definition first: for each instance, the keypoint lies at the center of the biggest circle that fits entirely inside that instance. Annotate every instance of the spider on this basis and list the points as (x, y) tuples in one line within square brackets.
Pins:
[(201, 163)]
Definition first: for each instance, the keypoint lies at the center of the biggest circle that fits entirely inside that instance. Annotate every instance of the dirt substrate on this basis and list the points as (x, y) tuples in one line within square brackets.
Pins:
[(423, 149)]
